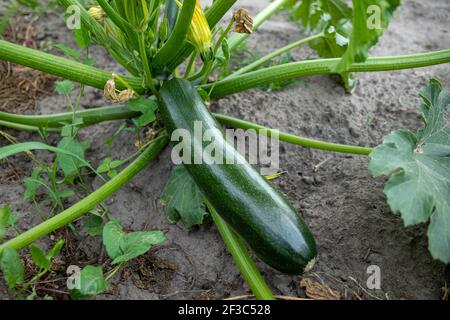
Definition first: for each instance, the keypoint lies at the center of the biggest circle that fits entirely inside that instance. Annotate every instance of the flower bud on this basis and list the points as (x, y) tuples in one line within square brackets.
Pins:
[(97, 13), (199, 33)]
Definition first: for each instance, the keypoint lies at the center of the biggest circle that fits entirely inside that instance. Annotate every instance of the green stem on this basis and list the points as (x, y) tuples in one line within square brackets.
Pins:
[(97, 115), (143, 54), (169, 50), (274, 54), (89, 117), (213, 15), (242, 258), (90, 201), (24, 127), (290, 138), (61, 67), (320, 67), (190, 65)]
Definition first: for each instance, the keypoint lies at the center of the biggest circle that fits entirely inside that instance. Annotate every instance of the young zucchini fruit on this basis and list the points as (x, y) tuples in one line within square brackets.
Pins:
[(259, 213)]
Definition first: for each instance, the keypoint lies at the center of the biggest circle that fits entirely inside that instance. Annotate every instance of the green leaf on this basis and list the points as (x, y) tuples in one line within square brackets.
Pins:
[(135, 244), (182, 199), (108, 164), (82, 37), (39, 257), (112, 236), (64, 87), (56, 250), (71, 165), (12, 267), (348, 32), (370, 19), (32, 184), (317, 14), (419, 169), (94, 225), (29, 3), (65, 193), (123, 246), (5, 218), (92, 282), (12, 149), (147, 107)]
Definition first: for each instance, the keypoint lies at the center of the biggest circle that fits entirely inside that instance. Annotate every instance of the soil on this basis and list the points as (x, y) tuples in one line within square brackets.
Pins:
[(344, 206)]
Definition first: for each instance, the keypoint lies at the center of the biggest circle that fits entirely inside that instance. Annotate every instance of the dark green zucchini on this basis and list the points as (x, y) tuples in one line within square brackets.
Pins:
[(260, 214)]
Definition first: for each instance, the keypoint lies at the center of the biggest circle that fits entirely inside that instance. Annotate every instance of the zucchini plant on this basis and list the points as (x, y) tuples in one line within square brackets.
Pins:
[(177, 57)]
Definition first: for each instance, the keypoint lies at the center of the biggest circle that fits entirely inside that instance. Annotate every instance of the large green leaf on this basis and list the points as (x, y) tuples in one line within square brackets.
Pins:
[(419, 169), (370, 19), (348, 32), (182, 199)]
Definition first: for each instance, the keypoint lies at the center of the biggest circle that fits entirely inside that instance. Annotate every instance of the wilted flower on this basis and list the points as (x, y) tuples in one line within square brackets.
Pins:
[(111, 93), (243, 20)]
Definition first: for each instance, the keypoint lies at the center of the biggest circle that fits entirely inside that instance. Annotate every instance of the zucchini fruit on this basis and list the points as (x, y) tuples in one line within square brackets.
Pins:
[(259, 213)]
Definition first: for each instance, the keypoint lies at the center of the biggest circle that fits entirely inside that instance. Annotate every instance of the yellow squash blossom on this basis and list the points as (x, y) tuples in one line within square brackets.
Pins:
[(199, 33)]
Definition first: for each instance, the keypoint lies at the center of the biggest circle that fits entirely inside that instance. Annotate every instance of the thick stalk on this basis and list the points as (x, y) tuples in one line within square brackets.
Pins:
[(242, 258), (293, 139), (274, 54), (61, 67), (90, 201), (97, 115), (293, 70), (169, 50), (89, 117)]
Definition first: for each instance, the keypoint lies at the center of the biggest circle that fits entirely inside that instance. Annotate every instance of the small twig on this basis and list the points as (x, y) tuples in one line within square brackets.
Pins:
[(320, 164), (52, 290)]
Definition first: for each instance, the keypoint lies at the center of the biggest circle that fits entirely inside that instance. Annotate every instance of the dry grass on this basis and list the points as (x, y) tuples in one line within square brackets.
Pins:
[(20, 87)]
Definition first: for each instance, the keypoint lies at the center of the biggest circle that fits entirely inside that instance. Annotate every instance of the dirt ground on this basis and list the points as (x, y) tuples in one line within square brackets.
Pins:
[(344, 206)]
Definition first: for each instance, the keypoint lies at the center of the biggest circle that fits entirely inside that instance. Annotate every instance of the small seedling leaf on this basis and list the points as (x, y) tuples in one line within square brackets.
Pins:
[(56, 250), (5, 218), (123, 246), (135, 244), (92, 282), (39, 257), (12, 267), (64, 87)]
